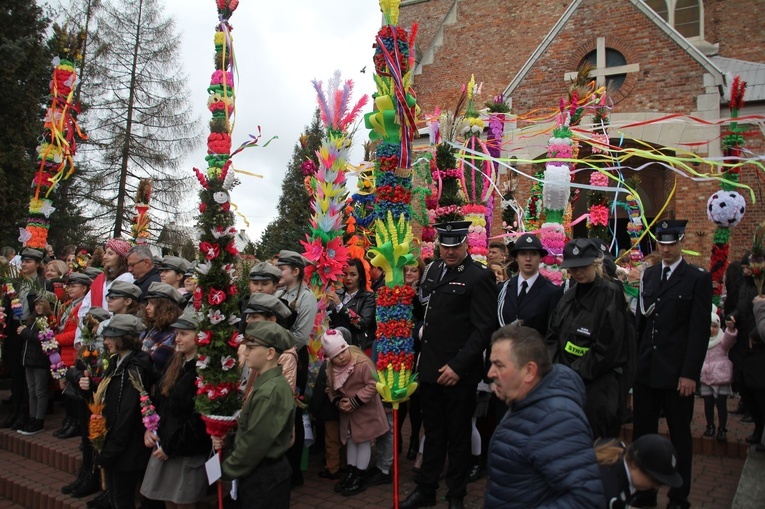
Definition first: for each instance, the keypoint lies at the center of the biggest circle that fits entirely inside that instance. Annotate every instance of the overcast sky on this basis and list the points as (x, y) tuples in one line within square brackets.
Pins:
[(280, 46)]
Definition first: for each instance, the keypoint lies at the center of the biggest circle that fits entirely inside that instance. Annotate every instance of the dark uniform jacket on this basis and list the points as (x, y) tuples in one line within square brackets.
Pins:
[(181, 429), (124, 450), (673, 325), (536, 308), (362, 326), (588, 332), (459, 319), (616, 485)]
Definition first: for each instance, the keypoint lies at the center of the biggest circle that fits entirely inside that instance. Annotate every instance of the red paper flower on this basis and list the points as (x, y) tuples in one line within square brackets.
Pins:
[(232, 250), (211, 251), (204, 338), (216, 297)]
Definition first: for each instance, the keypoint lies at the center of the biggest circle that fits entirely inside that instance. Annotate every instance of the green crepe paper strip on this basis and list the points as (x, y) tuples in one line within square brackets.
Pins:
[(218, 89), (722, 235), (554, 216)]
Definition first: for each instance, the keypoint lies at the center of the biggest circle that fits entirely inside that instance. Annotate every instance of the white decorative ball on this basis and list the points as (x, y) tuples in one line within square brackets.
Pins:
[(726, 208)]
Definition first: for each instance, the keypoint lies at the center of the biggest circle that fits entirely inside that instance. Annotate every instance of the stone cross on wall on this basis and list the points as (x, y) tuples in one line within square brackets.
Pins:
[(601, 72)]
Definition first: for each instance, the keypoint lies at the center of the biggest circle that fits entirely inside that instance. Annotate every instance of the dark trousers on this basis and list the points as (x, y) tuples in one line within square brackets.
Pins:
[(602, 406), (648, 403), (267, 487), (756, 401), (88, 452), (295, 453), (413, 409), (121, 487), (446, 414)]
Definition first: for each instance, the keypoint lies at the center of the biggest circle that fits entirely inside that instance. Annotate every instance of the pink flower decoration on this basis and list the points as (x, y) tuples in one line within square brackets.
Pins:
[(598, 215), (598, 179)]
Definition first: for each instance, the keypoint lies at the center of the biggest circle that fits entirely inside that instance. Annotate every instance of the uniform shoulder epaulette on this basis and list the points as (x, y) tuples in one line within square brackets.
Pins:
[(700, 269)]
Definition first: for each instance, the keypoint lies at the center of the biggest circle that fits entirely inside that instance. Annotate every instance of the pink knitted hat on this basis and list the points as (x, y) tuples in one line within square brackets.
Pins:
[(334, 344), (119, 246)]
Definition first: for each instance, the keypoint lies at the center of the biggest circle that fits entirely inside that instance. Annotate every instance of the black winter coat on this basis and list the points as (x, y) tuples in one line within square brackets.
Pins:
[(320, 405), (460, 317), (124, 450), (33, 355), (594, 322), (363, 306), (181, 429)]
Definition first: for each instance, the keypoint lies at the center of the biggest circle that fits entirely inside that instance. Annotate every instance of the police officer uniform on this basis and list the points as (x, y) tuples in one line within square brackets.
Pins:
[(460, 317), (534, 304), (673, 320)]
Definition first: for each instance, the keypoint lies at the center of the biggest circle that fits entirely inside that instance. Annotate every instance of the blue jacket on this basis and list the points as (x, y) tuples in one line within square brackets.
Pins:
[(541, 454)]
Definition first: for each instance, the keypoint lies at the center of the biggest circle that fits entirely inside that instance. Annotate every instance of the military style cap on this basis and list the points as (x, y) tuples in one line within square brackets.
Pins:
[(579, 253), (656, 456), (99, 313), (78, 278), (124, 289), (163, 291), (31, 254), (287, 257), (453, 233), (189, 320), (264, 271), (670, 231), (528, 242), (191, 271), (268, 334), (175, 263), (92, 272), (598, 242), (120, 325), (265, 303)]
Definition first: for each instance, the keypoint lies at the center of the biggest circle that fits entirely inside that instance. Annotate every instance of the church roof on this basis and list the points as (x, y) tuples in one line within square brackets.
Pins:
[(695, 53), (753, 73)]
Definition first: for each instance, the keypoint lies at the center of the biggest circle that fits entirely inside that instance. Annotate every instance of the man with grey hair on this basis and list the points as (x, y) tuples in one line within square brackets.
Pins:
[(140, 263), (541, 453)]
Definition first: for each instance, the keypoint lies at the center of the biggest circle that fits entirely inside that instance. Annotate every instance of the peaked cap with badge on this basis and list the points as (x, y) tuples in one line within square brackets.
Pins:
[(528, 242), (453, 233), (670, 231)]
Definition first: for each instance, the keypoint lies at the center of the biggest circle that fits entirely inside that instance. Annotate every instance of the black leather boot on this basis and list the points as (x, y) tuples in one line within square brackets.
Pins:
[(340, 486), (355, 485), (64, 425), (81, 475), (91, 484)]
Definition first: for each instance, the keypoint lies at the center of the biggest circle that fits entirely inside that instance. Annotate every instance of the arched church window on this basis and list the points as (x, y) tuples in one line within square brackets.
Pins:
[(688, 18), (660, 8), (613, 59)]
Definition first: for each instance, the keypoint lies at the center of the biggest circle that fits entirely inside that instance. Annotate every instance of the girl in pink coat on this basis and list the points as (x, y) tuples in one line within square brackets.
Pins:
[(716, 377), (352, 387)]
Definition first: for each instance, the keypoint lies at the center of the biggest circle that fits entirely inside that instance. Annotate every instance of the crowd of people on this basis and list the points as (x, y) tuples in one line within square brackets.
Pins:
[(521, 380)]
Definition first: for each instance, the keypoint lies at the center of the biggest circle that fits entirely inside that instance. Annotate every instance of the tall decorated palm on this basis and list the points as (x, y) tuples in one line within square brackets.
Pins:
[(324, 245), (218, 398), (58, 143), (393, 123)]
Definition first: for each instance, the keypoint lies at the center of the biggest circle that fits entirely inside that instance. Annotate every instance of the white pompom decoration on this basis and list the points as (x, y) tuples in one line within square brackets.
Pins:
[(556, 188), (726, 208)]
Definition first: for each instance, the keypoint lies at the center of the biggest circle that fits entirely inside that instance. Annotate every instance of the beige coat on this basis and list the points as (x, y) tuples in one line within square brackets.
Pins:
[(368, 421)]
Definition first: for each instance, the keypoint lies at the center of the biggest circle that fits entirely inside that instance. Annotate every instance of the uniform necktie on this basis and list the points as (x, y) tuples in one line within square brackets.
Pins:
[(665, 275), (524, 287)]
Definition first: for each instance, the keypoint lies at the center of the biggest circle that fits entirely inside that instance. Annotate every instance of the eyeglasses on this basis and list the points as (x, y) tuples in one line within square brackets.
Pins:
[(131, 265)]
